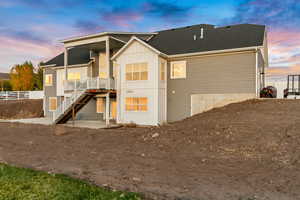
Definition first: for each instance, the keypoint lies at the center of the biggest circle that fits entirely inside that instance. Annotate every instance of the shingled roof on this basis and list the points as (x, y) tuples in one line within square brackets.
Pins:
[(186, 40), (181, 40), (76, 56)]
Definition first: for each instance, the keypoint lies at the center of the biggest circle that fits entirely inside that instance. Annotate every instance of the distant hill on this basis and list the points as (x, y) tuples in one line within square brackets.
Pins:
[(4, 76)]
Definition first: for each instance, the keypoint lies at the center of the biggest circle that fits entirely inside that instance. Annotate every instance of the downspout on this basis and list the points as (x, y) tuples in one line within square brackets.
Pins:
[(256, 72)]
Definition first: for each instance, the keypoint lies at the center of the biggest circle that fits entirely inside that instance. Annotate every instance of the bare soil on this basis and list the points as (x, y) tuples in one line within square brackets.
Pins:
[(243, 151), (19, 109)]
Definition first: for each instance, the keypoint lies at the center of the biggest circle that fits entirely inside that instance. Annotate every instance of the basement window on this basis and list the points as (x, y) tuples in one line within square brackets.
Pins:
[(136, 104), (52, 103), (48, 80), (100, 105), (178, 70)]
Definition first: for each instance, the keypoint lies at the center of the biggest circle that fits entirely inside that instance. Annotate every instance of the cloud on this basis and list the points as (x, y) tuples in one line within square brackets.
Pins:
[(121, 17), (282, 19), (276, 13), (126, 15), (14, 51), (25, 35), (167, 10), (86, 26), (282, 71)]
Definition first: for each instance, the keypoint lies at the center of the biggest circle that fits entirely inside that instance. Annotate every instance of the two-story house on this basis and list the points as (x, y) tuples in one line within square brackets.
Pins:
[(157, 77)]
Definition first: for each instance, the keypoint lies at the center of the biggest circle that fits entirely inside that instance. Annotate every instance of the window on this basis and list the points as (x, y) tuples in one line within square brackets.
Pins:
[(137, 71), (136, 104), (72, 76), (178, 69), (100, 105), (52, 104), (102, 66), (48, 80), (162, 70)]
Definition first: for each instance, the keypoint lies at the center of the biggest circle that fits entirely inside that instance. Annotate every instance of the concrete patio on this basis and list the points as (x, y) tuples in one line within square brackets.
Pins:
[(76, 123)]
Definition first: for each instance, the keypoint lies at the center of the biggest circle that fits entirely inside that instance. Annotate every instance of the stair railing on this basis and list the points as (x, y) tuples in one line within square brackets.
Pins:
[(66, 104), (78, 87)]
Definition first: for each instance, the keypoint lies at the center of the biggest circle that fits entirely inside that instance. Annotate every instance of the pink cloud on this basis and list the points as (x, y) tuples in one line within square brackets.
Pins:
[(123, 19), (25, 50), (282, 71)]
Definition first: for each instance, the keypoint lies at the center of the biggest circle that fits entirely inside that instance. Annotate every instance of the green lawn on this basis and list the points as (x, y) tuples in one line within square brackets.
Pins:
[(22, 184)]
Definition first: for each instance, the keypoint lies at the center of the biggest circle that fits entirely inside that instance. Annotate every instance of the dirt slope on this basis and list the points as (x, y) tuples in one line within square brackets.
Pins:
[(243, 151), (21, 109)]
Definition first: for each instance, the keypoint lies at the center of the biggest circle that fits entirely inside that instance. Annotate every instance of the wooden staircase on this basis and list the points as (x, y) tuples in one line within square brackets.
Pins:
[(71, 111)]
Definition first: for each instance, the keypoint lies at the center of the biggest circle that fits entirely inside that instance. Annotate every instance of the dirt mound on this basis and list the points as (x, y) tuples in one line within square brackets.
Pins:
[(21, 109), (243, 151)]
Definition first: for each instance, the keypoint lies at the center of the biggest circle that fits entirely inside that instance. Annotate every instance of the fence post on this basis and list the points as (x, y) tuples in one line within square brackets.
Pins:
[(18, 95)]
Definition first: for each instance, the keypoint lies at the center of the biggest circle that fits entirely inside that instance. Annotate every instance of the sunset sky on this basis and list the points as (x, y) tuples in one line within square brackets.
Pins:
[(30, 29)]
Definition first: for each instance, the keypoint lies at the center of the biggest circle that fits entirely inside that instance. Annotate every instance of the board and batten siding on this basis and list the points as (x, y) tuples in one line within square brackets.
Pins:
[(221, 76), (49, 91), (138, 53)]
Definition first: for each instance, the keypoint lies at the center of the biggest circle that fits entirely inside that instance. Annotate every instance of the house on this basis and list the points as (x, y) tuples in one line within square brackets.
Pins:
[(4, 76), (156, 77)]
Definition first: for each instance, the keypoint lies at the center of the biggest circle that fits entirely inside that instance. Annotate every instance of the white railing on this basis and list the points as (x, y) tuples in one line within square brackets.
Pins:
[(78, 88), (20, 95), (90, 83), (66, 104)]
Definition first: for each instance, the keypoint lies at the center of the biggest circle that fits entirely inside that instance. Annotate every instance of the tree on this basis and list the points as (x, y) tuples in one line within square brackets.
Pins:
[(38, 78), (22, 77), (5, 85)]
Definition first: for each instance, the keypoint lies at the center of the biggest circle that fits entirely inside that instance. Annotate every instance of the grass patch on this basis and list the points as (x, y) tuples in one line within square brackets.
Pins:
[(22, 184)]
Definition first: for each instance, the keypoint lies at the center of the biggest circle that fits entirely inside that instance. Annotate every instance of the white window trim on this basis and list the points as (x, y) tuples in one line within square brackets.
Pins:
[(171, 64), (136, 111), (165, 70), (49, 104), (51, 79), (140, 72)]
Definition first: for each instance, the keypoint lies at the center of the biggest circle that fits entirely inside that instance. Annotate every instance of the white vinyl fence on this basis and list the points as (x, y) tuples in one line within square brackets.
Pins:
[(19, 95)]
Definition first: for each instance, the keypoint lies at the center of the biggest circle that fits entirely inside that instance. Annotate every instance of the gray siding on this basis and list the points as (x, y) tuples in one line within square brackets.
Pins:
[(88, 112), (50, 91), (231, 73)]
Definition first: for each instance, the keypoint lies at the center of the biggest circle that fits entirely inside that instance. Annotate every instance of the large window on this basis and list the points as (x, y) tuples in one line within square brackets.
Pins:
[(72, 76), (136, 104), (100, 105), (178, 69), (52, 103), (137, 71), (103, 65), (48, 80), (162, 70)]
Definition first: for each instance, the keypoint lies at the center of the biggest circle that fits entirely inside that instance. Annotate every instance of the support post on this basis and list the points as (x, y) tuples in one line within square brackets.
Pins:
[(66, 63), (107, 48), (107, 110)]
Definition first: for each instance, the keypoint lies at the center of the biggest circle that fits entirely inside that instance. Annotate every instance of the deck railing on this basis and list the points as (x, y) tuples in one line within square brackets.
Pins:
[(78, 88), (90, 83)]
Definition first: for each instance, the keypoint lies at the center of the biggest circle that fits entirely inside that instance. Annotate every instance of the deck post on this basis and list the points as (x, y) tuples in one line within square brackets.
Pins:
[(107, 110), (66, 63), (107, 48)]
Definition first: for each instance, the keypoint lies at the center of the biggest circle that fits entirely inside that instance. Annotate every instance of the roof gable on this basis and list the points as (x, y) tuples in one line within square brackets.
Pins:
[(133, 39)]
